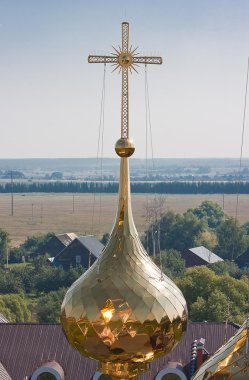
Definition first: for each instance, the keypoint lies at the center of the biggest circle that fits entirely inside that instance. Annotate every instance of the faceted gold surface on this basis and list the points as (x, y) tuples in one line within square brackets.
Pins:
[(121, 311), (231, 361)]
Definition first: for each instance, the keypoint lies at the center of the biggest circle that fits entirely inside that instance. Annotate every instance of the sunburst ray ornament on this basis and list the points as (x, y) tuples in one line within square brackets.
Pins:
[(123, 312)]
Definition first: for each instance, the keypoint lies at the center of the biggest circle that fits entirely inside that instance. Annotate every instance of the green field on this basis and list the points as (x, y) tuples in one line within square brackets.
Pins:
[(36, 213)]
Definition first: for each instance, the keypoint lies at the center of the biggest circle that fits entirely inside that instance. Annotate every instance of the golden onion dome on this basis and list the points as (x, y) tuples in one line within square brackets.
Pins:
[(122, 311)]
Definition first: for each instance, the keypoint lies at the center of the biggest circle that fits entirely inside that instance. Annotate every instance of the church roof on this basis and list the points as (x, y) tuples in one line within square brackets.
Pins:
[(26, 347), (205, 254)]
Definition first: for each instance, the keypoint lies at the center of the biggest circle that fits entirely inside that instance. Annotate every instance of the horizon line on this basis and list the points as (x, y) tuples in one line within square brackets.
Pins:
[(116, 158)]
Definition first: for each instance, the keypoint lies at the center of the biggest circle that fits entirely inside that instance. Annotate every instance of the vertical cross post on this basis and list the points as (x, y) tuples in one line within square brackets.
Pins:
[(125, 85)]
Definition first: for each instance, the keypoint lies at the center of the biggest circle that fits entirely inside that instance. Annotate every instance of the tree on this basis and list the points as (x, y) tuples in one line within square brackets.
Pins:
[(26, 277), (35, 246), (15, 255), (231, 240), (208, 295), (176, 231), (197, 282), (14, 308), (211, 212), (246, 227), (3, 246), (172, 263), (49, 306), (198, 310), (212, 309), (10, 283), (183, 233), (56, 175), (208, 239), (226, 267), (48, 278), (154, 211), (217, 306)]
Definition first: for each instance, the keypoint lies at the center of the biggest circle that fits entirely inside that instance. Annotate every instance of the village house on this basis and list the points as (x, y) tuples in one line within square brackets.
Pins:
[(199, 256), (82, 251)]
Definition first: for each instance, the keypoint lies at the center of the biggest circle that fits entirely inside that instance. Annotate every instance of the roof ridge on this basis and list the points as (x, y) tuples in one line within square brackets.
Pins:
[(59, 324)]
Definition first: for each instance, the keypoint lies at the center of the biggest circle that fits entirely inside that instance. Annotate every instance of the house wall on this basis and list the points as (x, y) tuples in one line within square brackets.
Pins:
[(68, 257), (192, 260)]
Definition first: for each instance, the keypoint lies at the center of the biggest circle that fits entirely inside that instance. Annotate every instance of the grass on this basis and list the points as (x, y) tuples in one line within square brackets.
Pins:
[(36, 213), (18, 265)]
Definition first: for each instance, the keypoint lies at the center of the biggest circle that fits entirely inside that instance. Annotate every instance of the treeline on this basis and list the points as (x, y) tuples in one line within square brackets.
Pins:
[(136, 187), (32, 290)]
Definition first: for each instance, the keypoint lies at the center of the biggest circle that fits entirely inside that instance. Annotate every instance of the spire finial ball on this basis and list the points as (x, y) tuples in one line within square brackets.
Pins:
[(124, 147)]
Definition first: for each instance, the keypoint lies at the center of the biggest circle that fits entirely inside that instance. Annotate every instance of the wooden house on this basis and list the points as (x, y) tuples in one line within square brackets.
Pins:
[(199, 256), (60, 241), (83, 250)]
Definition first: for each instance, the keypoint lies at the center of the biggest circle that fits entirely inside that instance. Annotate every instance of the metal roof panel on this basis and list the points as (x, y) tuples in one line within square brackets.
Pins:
[(26, 347)]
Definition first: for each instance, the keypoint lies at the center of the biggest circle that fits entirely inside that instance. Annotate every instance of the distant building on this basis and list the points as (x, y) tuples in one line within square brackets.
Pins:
[(62, 240), (83, 250), (243, 260), (199, 256), (29, 351), (58, 242)]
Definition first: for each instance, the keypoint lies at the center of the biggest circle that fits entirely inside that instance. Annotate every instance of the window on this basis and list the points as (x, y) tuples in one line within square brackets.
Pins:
[(170, 374), (78, 259), (46, 376), (49, 371)]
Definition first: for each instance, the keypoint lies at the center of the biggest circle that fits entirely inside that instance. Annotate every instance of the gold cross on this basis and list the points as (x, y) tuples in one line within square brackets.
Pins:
[(125, 59)]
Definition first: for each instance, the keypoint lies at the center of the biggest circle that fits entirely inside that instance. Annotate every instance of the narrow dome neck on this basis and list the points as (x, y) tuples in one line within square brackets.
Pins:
[(124, 218)]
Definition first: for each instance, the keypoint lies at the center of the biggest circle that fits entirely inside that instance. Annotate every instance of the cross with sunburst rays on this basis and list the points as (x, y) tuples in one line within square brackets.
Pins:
[(125, 59)]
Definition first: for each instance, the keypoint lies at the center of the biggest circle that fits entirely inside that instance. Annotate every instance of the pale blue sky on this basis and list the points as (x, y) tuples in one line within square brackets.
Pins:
[(50, 95)]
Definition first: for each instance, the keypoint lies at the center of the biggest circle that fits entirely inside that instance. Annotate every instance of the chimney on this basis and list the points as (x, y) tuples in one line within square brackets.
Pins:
[(198, 355), (200, 352), (192, 368)]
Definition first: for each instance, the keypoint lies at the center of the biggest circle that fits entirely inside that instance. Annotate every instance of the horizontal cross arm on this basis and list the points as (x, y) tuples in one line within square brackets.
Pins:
[(149, 60), (102, 59)]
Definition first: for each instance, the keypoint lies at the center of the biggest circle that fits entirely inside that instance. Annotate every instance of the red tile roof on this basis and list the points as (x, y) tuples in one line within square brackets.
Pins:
[(25, 347)]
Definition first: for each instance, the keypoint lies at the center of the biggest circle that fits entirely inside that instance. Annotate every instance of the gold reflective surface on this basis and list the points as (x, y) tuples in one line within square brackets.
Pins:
[(122, 312), (124, 147), (231, 361), (125, 59)]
